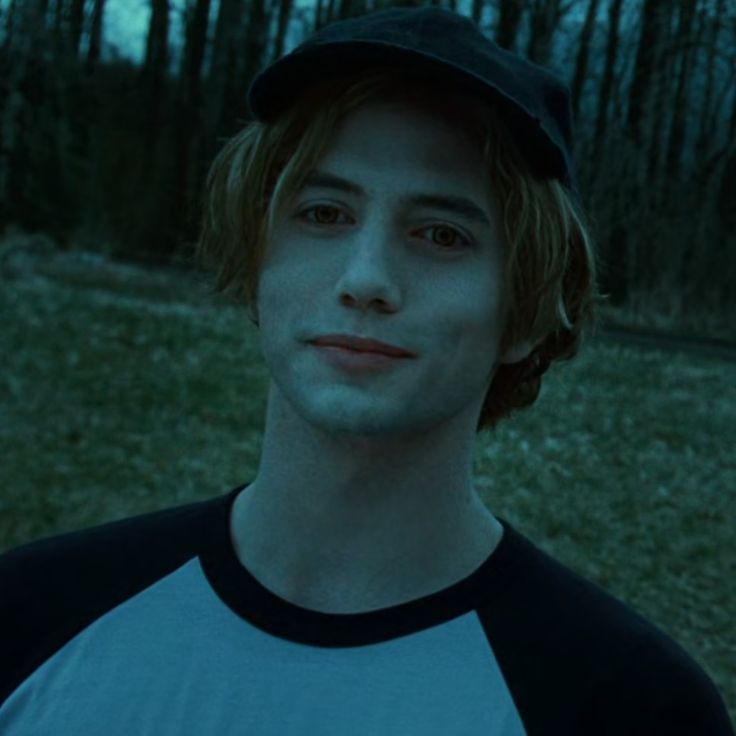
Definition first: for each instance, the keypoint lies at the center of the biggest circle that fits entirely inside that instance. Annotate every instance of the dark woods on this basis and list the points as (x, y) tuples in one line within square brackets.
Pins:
[(105, 154)]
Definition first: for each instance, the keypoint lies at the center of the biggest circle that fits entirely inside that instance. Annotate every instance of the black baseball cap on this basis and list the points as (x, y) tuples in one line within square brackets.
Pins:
[(535, 103)]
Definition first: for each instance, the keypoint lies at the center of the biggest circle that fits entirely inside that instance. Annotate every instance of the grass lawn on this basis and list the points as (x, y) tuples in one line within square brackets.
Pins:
[(126, 390)]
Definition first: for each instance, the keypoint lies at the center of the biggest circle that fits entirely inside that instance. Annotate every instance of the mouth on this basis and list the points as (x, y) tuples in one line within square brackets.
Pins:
[(357, 362), (361, 345)]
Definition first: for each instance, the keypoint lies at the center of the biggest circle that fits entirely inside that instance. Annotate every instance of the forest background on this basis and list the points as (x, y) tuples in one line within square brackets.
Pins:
[(110, 154)]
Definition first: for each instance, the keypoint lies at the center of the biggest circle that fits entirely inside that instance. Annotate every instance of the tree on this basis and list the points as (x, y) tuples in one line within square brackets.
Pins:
[(509, 19), (689, 43), (581, 66), (604, 97), (284, 14), (544, 21), (648, 55), (95, 37), (33, 125), (153, 73), (223, 98), (179, 200), (708, 104), (104, 148), (659, 99)]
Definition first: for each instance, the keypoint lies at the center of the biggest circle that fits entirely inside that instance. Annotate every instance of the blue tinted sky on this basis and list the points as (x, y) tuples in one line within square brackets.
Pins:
[(126, 23)]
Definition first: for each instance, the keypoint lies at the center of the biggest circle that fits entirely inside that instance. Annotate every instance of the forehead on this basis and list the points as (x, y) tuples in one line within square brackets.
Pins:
[(406, 141)]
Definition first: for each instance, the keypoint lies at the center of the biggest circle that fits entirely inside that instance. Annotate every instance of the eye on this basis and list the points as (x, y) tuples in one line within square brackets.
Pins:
[(454, 234), (316, 208)]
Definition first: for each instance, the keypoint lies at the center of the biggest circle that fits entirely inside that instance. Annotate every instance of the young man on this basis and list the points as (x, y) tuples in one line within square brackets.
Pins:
[(401, 219)]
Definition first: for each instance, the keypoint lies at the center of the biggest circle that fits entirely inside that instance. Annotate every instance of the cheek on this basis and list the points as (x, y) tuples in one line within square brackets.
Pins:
[(275, 309), (282, 286), (478, 331), (476, 306)]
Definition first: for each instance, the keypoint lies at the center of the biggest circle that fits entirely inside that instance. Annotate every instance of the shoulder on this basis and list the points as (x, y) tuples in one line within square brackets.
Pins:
[(107, 548), (55, 587), (599, 661)]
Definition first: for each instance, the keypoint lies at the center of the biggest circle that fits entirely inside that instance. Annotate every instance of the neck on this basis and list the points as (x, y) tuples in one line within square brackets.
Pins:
[(336, 522)]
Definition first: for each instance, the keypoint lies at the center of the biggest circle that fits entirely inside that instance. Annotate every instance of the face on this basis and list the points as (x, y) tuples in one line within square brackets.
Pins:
[(375, 264)]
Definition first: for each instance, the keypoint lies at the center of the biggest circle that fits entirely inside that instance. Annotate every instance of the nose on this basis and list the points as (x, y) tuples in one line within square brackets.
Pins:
[(371, 271)]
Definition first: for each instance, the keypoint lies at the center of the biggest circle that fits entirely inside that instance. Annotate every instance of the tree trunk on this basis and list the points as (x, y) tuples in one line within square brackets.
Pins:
[(509, 19), (196, 39), (662, 84), (319, 13), (581, 67), (604, 97), (153, 72), (76, 20), (707, 120), (188, 129), (545, 20), (24, 48), (95, 37), (648, 55), (68, 22), (285, 10), (155, 87), (224, 101), (476, 11), (256, 39), (685, 38), (9, 26)]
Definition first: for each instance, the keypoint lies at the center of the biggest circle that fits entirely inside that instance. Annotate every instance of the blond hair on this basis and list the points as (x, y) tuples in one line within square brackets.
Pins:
[(550, 270)]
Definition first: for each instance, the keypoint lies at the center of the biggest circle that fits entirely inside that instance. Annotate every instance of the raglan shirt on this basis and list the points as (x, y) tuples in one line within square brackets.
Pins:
[(152, 625)]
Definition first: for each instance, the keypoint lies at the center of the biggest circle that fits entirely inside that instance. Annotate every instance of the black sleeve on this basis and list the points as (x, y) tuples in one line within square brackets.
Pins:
[(666, 693), (685, 702)]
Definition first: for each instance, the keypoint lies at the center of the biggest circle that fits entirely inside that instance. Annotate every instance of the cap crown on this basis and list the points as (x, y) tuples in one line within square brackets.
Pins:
[(534, 101)]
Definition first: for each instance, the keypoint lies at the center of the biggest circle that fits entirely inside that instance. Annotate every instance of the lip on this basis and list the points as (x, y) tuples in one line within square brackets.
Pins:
[(359, 345), (355, 362)]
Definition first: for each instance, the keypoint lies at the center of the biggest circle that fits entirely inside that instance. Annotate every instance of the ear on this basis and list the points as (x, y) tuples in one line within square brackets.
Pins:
[(517, 352)]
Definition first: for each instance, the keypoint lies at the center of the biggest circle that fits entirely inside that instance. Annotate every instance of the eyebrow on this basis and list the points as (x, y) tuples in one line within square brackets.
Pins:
[(449, 203)]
